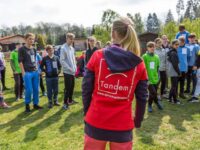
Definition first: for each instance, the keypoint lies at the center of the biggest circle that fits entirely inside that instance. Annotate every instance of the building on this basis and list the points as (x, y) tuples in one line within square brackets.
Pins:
[(8, 42), (144, 38)]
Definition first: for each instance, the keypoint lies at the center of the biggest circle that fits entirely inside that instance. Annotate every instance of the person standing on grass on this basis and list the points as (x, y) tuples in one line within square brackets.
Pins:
[(17, 73), (92, 48), (113, 76), (183, 56), (183, 32), (161, 52), (28, 65), (39, 60), (152, 63), (197, 89), (2, 102), (68, 62), (3, 72), (194, 49), (52, 67), (173, 71)]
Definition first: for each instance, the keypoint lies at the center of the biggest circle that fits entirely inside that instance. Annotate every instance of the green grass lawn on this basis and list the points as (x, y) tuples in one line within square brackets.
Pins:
[(174, 128)]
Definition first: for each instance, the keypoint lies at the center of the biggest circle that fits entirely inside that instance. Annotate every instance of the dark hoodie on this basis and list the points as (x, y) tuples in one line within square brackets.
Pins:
[(173, 59), (118, 61)]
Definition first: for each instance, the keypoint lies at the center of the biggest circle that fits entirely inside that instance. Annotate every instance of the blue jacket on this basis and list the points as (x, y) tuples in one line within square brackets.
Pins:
[(194, 49), (183, 56), (185, 34)]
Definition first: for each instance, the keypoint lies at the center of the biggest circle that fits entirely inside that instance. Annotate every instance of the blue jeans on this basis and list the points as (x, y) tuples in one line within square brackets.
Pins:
[(52, 88), (31, 83)]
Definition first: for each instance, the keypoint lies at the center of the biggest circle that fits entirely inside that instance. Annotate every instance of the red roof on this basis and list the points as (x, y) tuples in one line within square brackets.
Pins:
[(8, 37)]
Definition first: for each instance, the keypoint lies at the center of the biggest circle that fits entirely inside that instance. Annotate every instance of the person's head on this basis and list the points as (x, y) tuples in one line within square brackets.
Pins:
[(30, 39), (50, 50), (151, 47), (108, 44), (158, 42), (70, 38), (192, 38), (98, 44), (123, 33), (181, 40), (175, 44), (181, 27), (91, 42), (164, 39), (17, 46)]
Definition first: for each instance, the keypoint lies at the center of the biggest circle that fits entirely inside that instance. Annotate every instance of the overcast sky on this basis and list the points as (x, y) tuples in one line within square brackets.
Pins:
[(85, 12)]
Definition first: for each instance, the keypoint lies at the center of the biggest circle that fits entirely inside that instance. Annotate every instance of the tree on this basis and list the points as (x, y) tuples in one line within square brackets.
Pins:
[(180, 8), (170, 17), (137, 20), (101, 33), (40, 42), (108, 17), (150, 23), (170, 29), (157, 23), (189, 13)]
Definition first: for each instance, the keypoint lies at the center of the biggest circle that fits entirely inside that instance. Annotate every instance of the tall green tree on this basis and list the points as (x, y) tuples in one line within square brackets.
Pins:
[(137, 20), (180, 7), (170, 17)]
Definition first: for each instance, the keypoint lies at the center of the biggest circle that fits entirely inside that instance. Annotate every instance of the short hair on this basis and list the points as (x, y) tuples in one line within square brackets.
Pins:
[(181, 26), (192, 35), (157, 39), (174, 41), (151, 44), (48, 47), (181, 38), (70, 35), (91, 38), (28, 35)]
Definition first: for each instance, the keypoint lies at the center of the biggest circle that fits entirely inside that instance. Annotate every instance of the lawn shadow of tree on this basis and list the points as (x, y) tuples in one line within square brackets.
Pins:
[(32, 133), (23, 119)]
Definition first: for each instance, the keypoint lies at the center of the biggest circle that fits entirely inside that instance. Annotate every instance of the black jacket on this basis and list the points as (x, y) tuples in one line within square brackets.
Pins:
[(173, 58)]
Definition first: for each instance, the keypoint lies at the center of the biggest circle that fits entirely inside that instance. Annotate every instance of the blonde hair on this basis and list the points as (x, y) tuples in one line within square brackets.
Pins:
[(157, 40), (48, 47), (125, 30), (70, 36)]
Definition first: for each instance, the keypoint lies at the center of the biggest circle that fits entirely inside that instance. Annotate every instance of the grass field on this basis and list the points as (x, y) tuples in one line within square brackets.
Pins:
[(174, 128)]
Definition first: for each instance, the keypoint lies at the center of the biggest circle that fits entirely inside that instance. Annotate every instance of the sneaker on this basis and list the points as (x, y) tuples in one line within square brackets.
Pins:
[(50, 105), (71, 102), (37, 107), (4, 105), (27, 109), (44, 94), (182, 96), (150, 110), (193, 100), (159, 105), (65, 107), (177, 102), (22, 97), (56, 103), (17, 99)]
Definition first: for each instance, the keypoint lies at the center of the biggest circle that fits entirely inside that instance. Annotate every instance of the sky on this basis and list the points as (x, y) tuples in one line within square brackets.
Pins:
[(85, 12)]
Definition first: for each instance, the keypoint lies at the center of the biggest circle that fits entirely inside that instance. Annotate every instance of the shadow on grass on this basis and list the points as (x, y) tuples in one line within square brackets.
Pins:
[(75, 118), (177, 114), (13, 108), (23, 119), (32, 133)]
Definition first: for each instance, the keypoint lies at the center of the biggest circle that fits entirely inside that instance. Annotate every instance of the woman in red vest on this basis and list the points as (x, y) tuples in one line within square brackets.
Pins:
[(113, 76)]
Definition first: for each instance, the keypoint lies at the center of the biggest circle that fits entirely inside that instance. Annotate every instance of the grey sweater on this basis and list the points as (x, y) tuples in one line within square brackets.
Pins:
[(163, 58), (67, 59)]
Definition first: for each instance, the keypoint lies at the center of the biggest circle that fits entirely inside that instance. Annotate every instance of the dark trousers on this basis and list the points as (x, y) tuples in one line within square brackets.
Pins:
[(153, 93), (52, 88), (191, 76), (42, 84), (69, 87), (163, 79), (174, 88), (18, 85), (3, 73), (182, 82)]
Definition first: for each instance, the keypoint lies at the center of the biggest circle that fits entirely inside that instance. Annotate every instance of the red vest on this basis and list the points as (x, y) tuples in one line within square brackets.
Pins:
[(111, 105)]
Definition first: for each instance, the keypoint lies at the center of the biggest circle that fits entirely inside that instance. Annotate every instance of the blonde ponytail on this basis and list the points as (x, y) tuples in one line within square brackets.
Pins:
[(125, 29)]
